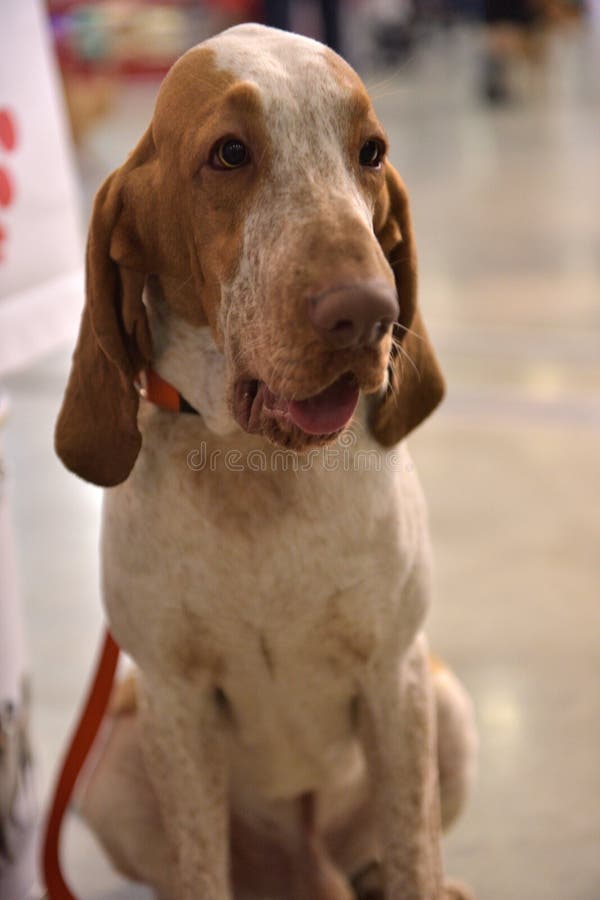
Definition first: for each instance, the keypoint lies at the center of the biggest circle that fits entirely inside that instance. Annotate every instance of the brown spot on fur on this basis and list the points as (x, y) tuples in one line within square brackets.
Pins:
[(193, 653), (267, 655), (343, 636), (124, 697), (435, 664)]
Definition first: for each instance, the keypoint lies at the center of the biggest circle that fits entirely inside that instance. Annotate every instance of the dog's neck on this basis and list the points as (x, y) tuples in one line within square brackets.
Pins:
[(187, 357)]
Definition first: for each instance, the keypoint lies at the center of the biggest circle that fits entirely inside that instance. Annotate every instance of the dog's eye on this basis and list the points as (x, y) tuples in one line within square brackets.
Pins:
[(371, 154), (230, 154)]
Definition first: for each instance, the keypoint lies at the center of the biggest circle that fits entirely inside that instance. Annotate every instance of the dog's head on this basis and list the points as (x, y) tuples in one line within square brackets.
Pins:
[(262, 207)]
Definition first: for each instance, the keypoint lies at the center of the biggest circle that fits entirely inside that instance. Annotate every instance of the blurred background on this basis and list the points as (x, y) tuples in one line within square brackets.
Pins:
[(493, 112)]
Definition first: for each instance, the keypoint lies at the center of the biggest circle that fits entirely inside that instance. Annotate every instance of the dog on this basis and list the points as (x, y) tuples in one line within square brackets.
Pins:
[(265, 555)]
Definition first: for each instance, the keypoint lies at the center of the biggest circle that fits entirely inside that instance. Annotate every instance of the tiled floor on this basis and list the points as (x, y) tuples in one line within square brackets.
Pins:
[(507, 210)]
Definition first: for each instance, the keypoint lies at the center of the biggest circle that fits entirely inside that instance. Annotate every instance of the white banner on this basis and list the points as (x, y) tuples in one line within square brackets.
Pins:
[(17, 789), (41, 291)]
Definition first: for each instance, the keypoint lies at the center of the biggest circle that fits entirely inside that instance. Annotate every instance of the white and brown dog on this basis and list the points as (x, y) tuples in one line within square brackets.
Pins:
[(266, 562)]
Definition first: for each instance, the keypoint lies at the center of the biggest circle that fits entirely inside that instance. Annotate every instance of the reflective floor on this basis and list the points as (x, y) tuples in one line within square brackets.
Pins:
[(506, 204)]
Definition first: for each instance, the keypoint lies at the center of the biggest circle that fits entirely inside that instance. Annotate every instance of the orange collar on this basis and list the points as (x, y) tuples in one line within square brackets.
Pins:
[(156, 390)]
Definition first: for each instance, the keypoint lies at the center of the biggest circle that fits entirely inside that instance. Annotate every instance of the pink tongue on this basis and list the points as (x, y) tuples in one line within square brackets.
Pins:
[(328, 411)]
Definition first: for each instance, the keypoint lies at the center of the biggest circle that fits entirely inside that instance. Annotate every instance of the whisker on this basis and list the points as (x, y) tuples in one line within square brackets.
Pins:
[(383, 82), (358, 427), (262, 156), (404, 328), (399, 259), (386, 94), (183, 283), (407, 356)]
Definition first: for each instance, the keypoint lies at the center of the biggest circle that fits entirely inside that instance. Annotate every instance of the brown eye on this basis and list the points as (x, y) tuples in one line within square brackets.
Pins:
[(230, 154), (371, 154)]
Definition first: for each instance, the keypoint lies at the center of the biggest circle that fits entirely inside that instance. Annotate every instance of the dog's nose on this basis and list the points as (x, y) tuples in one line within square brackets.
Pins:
[(354, 316)]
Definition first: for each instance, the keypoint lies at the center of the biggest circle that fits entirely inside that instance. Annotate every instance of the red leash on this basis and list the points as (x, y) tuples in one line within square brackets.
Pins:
[(81, 743)]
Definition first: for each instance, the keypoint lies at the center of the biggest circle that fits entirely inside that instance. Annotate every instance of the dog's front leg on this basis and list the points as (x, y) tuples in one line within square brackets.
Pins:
[(399, 733), (186, 761)]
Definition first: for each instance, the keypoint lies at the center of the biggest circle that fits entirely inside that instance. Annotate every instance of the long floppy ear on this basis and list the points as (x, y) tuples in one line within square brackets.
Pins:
[(416, 384), (96, 432)]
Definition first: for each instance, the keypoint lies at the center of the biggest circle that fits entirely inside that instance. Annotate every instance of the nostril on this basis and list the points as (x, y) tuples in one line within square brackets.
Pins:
[(343, 327), (380, 329)]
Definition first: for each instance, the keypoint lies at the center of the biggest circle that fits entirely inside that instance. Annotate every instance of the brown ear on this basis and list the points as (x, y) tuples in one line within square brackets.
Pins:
[(96, 433), (416, 384)]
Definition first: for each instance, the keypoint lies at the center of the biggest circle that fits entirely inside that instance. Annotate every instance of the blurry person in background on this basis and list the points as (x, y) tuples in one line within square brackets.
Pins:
[(517, 30), (277, 14), (510, 25), (394, 24)]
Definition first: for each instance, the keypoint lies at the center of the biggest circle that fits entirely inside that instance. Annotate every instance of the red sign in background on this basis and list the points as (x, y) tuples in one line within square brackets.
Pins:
[(8, 143)]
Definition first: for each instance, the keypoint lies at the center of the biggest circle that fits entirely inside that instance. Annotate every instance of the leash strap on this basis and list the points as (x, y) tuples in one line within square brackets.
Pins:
[(81, 743)]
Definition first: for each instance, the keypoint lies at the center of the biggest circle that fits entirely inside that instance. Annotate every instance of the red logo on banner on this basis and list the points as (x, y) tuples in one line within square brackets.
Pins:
[(6, 188), (8, 142), (8, 133)]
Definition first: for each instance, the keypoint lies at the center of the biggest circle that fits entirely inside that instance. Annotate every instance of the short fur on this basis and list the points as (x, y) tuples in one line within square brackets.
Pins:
[(286, 731)]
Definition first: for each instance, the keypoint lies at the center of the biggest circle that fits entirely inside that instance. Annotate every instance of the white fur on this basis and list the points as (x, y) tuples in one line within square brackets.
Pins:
[(187, 356)]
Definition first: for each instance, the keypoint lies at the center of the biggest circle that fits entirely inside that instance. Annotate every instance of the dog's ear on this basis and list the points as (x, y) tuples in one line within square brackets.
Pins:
[(96, 433), (416, 384)]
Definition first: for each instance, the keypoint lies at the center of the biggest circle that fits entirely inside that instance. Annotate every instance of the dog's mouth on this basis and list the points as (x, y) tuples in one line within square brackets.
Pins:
[(317, 418)]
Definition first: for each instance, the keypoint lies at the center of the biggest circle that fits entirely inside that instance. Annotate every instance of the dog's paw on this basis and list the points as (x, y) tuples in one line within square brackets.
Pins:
[(368, 883), (456, 890)]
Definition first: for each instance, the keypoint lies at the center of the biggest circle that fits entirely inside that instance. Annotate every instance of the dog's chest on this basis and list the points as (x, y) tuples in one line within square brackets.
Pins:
[(222, 543), (275, 583)]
